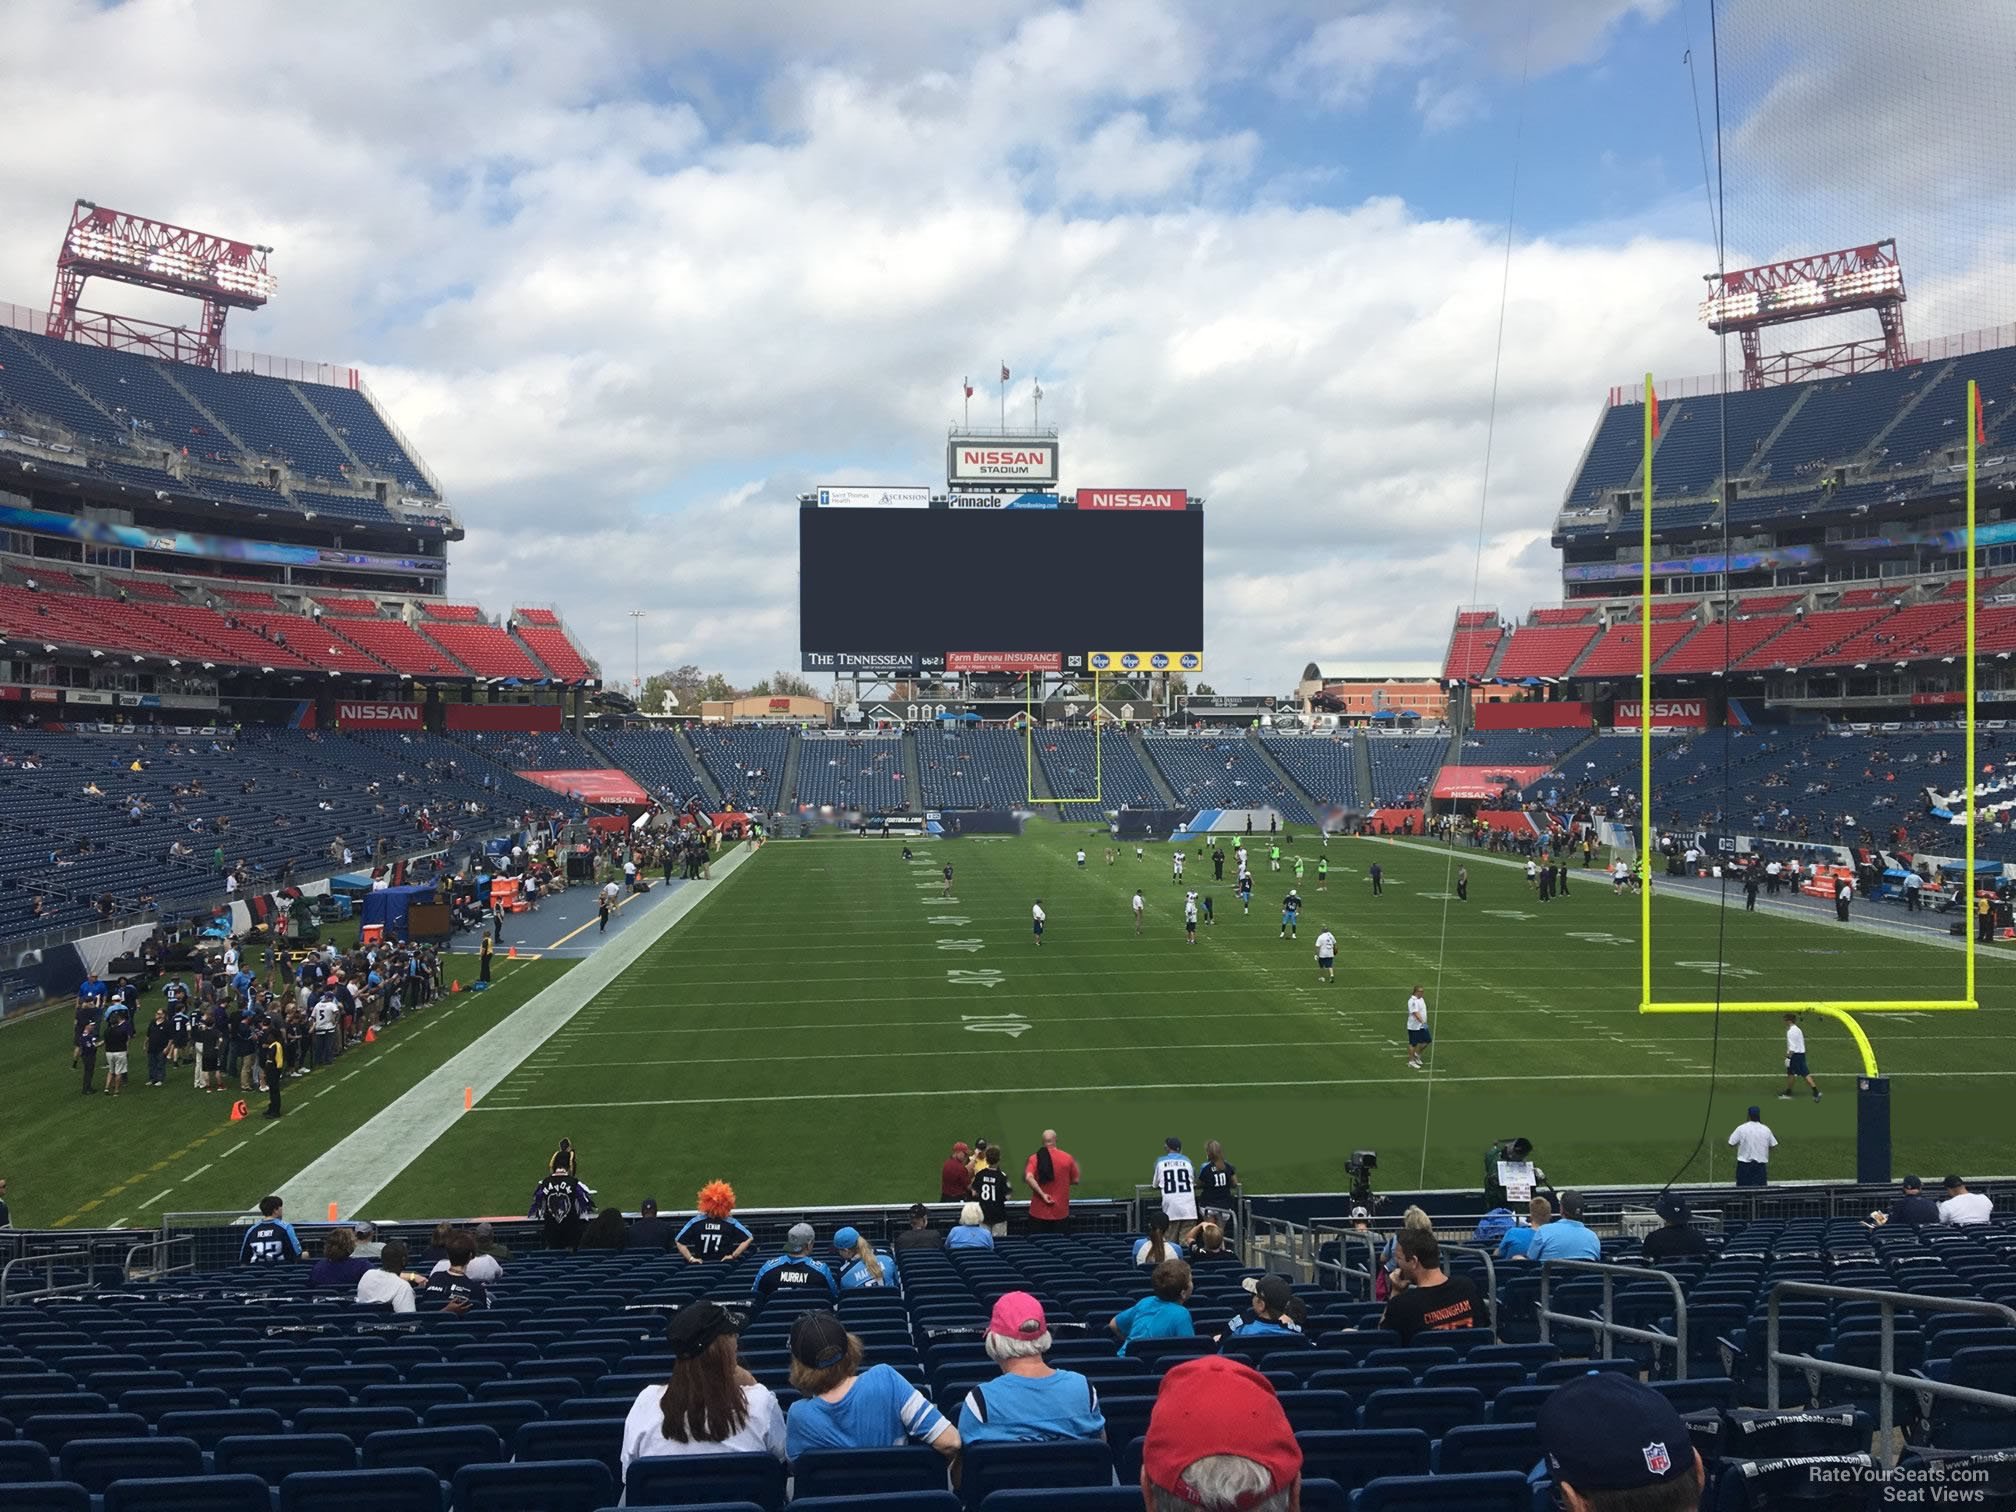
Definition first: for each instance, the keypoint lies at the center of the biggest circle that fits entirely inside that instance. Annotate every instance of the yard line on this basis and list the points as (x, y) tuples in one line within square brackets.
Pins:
[(159, 1196), (235, 1148), (194, 1174)]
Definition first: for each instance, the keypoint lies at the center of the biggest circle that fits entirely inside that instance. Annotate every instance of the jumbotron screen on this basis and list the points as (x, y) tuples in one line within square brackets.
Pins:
[(929, 582)]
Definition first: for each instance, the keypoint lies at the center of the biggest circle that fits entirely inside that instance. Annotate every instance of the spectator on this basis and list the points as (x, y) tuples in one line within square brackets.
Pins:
[(391, 1282), (1753, 1142), (972, 1231), (1208, 1246), (452, 1286), (955, 1177), (1518, 1241), (1218, 1438), (991, 1189), (1962, 1208), (861, 1267), (605, 1231), (842, 1406), (367, 1246), (1567, 1237), (795, 1268), (1050, 1175), (1157, 1247), (488, 1265), (1613, 1444), (561, 1202), (340, 1264), (1030, 1402), (272, 1239), (713, 1232), (1913, 1208), (1275, 1310), (1161, 1314), (1429, 1300), (710, 1404), (1679, 1237), (649, 1232), (920, 1234)]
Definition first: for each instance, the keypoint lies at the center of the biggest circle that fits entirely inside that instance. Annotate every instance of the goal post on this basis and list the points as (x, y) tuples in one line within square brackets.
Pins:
[(1842, 1011), (1029, 746)]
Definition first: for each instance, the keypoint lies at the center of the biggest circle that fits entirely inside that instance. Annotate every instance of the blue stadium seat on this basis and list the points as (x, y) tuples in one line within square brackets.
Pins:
[(1519, 1404), (355, 1423), (44, 1496), (272, 1457), (190, 1493), (154, 1405), (1434, 1410), (406, 1490), (901, 1501), (1491, 1491), (1477, 1447), (573, 1438), (703, 1477), (548, 1486), (504, 1417), (440, 1450), (989, 1467), (859, 1472), (1353, 1457), (95, 1463), (1071, 1499), (53, 1430), (1769, 1485), (1319, 1410), (24, 1460)]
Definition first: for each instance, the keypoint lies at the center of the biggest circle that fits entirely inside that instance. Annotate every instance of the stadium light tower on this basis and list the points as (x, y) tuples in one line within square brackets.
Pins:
[(1805, 288), (149, 254)]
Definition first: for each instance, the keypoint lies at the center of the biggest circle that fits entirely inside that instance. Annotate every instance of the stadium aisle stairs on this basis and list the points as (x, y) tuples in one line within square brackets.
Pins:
[(166, 372), (335, 436), (1162, 789), (788, 786), (1361, 761), (1287, 778), (707, 783), (913, 785)]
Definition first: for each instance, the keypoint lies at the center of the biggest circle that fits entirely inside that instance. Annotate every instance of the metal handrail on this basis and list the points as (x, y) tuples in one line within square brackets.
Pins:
[(50, 1288), (1273, 1242), (1676, 1340), (1321, 1233), (1885, 1376), (1490, 1276), (158, 1245)]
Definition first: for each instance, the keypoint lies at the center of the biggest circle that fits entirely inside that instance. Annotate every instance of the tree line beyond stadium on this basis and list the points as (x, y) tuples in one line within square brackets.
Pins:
[(890, 590)]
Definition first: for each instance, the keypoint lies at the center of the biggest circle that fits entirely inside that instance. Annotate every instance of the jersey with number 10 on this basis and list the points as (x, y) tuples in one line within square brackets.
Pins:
[(1177, 1183)]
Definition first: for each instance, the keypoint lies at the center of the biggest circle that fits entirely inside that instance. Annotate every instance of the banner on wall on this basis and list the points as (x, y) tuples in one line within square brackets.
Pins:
[(1690, 712), (1531, 716), (529, 719)]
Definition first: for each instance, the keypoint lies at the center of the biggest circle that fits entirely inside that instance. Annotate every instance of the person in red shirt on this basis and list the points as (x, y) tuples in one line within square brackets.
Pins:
[(955, 1179), (1050, 1175)]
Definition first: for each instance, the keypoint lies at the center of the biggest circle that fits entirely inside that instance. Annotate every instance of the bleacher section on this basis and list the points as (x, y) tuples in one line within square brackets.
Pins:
[(1545, 650), (660, 760), (541, 631), (1323, 764), (862, 773), (1518, 747), (968, 769), (1471, 648), (747, 764), (1075, 768), (485, 650), (1716, 647), (398, 645), (1222, 772), (1403, 765), (1617, 653)]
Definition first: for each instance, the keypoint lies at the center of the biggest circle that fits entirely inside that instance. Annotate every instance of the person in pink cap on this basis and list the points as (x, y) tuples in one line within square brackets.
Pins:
[(1029, 1402), (1218, 1438)]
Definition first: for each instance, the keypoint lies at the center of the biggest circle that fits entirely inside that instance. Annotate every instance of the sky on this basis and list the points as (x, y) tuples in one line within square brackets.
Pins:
[(632, 276)]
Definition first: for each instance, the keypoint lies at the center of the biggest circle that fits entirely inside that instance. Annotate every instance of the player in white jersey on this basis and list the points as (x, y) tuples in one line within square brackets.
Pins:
[(1795, 1058), (1417, 1028), (1140, 907), (1190, 917), (1326, 957), (1036, 918), (1620, 874), (1176, 867), (1081, 858), (1176, 1180)]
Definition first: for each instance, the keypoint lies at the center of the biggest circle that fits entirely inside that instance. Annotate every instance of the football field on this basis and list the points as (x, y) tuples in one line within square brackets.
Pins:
[(823, 1027)]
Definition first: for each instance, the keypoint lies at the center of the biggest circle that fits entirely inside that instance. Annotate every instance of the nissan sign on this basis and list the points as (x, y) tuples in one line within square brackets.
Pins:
[(1032, 462), (1665, 711), (874, 496), (381, 716), (1133, 498)]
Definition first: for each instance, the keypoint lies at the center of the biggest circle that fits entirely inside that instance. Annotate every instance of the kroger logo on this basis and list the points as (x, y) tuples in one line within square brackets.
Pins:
[(1158, 661), (1130, 661), (1191, 661), (1101, 661)]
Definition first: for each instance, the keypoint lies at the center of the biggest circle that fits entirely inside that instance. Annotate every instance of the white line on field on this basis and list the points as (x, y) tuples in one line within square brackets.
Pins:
[(194, 1174), (157, 1197)]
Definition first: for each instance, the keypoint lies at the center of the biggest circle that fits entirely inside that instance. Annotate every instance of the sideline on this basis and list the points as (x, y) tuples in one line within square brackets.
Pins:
[(1709, 893), (364, 1162)]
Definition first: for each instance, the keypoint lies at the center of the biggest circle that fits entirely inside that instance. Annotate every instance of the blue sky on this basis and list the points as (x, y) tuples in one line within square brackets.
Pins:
[(633, 275)]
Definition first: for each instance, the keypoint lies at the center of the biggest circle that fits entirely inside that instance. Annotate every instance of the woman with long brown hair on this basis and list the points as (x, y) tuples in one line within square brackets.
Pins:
[(711, 1405)]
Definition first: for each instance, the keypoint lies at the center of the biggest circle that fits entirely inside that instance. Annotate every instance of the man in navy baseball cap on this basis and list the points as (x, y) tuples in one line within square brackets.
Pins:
[(1612, 1442)]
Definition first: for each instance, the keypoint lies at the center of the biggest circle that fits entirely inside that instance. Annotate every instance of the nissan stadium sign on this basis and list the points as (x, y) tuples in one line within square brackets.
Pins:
[(1031, 463), (1137, 662), (1133, 498), (874, 496)]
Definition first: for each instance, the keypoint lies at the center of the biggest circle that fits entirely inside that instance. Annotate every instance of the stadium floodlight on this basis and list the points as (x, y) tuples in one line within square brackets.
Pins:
[(1747, 300), (1873, 1101), (222, 273)]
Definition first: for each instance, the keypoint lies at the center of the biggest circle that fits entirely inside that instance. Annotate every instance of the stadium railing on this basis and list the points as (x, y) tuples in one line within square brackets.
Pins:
[(48, 1262), (160, 1262), (1886, 1378), (1605, 1322)]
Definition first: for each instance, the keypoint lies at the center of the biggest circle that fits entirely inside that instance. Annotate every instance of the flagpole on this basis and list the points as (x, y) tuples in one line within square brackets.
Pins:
[(1004, 396), (1036, 406), (966, 387)]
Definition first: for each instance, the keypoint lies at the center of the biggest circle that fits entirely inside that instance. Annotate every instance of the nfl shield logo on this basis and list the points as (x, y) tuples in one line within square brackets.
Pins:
[(1657, 1460)]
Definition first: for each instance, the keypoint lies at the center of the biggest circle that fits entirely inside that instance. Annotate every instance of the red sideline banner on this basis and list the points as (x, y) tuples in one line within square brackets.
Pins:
[(380, 716), (1532, 716), (1665, 711), (1484, 781), (606, 786), (1133, 498), (1004, 661), (526, 718)]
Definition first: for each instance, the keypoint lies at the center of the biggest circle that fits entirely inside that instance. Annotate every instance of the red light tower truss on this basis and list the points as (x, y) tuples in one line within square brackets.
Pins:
[(149, 254), (1806, 288)]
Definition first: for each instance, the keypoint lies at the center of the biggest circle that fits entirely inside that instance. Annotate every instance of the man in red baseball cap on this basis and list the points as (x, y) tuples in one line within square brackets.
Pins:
[(955, 1177), (1219, 1439)]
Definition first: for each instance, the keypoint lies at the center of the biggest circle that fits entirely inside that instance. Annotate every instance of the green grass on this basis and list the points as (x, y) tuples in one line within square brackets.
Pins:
[(803, 1035)]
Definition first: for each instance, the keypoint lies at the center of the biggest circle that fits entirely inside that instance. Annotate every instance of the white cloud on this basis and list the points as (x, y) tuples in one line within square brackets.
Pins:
[(630, 286), (1444, 105)]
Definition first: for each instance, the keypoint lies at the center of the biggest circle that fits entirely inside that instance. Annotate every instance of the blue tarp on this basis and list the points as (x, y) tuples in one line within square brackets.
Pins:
[(387, 908)]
